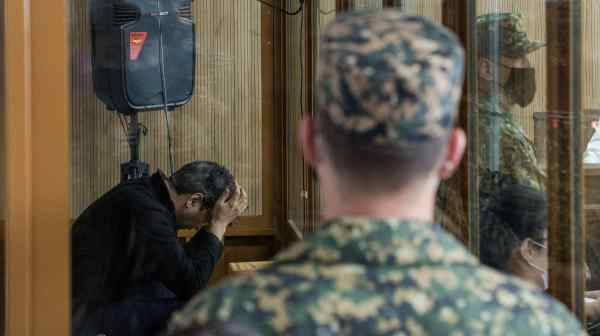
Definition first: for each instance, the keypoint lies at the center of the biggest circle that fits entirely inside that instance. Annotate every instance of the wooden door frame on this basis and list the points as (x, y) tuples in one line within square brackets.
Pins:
[(566, 216), (458, 16), (390, 3), (37, 167), (343, 5)]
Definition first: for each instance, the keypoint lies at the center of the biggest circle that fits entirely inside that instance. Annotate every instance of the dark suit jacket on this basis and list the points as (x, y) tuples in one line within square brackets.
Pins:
[(127, 239)]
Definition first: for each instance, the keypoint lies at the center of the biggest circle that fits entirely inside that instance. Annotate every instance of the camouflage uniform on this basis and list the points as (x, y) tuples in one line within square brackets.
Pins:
[(498, 34), (380, 277), (392, 81), (517, 156), (517, 153)]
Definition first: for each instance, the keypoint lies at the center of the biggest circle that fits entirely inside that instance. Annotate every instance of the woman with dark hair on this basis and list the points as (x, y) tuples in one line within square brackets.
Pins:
[(513, 229), (513, 232)]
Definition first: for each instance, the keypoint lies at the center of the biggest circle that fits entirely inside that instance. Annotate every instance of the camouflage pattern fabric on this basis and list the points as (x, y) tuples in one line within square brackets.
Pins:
[(390, 80), (517, 153), (517, 159), (502, 33), (379, 277), (387, 78), (497, 34)]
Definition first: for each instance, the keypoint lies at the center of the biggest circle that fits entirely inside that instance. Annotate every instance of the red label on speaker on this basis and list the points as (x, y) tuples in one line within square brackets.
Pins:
[(136, 44)]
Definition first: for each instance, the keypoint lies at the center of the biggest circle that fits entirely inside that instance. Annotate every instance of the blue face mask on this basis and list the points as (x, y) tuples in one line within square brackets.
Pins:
[(544, 273)]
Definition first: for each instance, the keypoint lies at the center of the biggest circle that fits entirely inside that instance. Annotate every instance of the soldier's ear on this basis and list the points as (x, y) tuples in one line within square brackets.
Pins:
[(457, 142)]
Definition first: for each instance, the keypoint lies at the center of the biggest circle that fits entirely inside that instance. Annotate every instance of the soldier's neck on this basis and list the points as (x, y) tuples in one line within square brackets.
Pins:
[(414, 202)]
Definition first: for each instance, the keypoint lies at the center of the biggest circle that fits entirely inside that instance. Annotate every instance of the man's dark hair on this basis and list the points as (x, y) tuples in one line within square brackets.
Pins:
[(379, 168), (205, 177), (511, 211)]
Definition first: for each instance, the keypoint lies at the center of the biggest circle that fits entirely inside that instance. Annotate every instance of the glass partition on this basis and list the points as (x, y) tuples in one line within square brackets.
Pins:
[(431, 9), (535, 153), (170, 82), (533, 116), (360, 4), (222, 122)]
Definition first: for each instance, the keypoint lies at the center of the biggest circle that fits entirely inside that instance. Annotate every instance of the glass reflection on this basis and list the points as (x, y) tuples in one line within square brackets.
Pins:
[(513, 121), (182, 81)]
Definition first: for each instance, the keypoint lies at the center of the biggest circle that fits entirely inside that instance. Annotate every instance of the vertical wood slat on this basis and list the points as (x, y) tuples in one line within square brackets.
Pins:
[(387, 3), (566, 231), (343, 5), (3, 164), (431, 9), (36, 139), (50, 103), (370, 4), (228, 88), (280, 202), (268, 173), (310, 12), (18, 188), (590, 54), (457, 16)]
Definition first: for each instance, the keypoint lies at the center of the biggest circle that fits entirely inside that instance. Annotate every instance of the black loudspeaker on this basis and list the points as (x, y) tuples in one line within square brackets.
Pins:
[(143, 53)]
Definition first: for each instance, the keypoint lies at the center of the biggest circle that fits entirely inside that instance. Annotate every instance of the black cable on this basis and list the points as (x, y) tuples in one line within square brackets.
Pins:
[(164, 89), (122, 123), (301, 64), (283, 10)]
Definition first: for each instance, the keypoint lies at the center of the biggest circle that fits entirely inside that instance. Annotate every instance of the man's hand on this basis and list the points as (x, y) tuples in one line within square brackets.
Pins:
[(228, 207)]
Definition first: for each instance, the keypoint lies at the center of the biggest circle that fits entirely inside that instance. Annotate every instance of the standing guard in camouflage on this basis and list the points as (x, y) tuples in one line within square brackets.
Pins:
[(506, 81), (388, 86)]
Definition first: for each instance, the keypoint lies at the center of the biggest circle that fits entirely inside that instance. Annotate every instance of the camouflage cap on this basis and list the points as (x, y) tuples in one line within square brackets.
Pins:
[(386, 78), (507, 30)]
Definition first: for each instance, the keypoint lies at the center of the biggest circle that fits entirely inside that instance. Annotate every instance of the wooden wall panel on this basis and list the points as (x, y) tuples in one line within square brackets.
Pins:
[(36, 65), (431, 9), (357, 4), (2, 171), (326, 13), (242, 249), (590, 54), (222, 123)]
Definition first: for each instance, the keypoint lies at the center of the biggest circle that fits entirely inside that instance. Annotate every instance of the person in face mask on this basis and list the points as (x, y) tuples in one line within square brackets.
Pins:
[(513, 233), (513, 229), (506, 83)]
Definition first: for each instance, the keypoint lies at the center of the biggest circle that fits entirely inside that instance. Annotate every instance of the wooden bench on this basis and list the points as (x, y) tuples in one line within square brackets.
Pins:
[(248, 266)]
